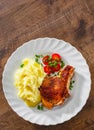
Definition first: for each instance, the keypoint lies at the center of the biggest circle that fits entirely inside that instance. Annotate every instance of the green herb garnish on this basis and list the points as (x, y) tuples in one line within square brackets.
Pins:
[(62, 63), (49, 58), (71, 84), (53, 63), (22, 65), (40, 107), (37, 58)]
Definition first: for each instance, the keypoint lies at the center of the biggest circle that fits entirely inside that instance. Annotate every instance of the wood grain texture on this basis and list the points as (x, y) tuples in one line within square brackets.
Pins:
[(70, 20)]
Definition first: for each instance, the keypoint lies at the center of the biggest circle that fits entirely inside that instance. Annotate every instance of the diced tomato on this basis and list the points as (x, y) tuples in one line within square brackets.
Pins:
[(56, 68), (52, 64), (46, 59), (56, 57), (47, 69)]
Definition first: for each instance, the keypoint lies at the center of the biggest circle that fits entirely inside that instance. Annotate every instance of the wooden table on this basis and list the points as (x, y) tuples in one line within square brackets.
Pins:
[(70, 20)]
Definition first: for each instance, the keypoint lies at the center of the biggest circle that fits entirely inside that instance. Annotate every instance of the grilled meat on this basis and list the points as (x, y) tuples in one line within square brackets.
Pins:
[(54, 90)]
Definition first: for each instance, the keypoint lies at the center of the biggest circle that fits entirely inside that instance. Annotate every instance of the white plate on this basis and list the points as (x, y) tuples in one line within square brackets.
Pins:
[(79, 93)]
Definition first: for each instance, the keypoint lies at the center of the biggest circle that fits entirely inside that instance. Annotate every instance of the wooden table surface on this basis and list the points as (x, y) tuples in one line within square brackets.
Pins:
[(70, 20)]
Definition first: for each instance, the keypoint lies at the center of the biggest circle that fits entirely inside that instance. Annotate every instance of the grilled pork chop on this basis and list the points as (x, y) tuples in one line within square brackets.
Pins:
[(54, 90)]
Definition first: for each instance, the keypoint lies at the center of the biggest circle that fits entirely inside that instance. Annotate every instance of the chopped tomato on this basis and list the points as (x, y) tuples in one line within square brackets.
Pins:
[(47, 69), (52, 63), (56, 68), (56, 57), (46, 59)]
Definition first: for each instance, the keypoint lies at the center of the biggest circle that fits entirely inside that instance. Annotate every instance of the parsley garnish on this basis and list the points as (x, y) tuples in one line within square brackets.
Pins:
[(40, 107), (49, 58), (22, 65), (71, 84), (62, 63), (53, 63), (37, 58)]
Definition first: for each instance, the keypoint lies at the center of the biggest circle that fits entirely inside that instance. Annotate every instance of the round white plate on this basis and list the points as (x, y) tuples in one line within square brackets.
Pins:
[(79, 93)]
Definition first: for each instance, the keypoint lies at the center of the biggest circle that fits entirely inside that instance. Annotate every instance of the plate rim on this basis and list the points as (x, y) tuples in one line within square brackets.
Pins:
[(47, 39)]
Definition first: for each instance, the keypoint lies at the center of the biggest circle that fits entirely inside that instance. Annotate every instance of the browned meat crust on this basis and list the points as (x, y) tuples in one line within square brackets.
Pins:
[(54, 90)]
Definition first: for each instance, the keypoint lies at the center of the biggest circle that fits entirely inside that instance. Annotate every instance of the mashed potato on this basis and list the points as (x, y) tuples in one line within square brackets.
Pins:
[(28, 79)]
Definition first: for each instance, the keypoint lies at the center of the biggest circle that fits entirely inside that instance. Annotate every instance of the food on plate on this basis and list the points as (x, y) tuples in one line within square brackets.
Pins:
[(56, 57), (44, 81), (55, 89), (46, 59), (52, 63), (28, 79)]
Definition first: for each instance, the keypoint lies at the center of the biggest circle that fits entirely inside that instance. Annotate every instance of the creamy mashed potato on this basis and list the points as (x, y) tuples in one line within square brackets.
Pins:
[(28, 79)]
